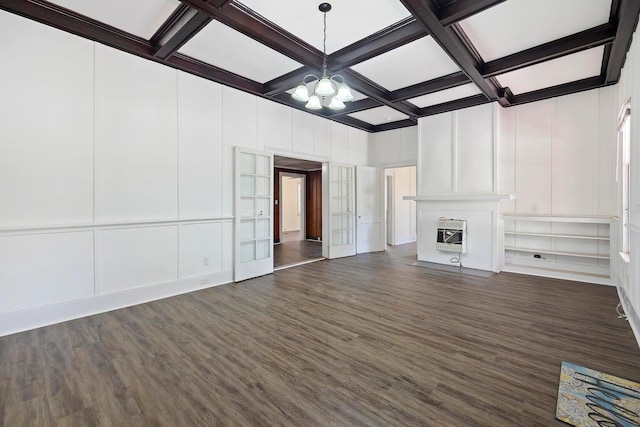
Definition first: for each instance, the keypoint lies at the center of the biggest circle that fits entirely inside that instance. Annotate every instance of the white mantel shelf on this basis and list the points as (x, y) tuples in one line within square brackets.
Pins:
[(481, 197)]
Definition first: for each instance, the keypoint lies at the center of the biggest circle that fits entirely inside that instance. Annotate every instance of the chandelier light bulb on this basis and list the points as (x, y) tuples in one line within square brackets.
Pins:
[(325, 88), (301, 93), (344, 93), (336, 104), (314, 102)]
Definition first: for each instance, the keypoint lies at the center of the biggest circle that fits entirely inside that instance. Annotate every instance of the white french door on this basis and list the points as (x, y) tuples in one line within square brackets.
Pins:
[(370, 226), (253, 214), (342, 211)]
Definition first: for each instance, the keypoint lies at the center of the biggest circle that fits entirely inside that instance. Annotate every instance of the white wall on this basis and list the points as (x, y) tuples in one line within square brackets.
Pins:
[(629, 271), (556, 156), (116, 174), (457, 159), (290, 203), (456, 153), (394, 148), (403, 227)]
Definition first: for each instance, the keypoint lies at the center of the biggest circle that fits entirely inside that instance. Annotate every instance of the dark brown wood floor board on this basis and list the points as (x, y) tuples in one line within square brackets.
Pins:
[(366, 340)]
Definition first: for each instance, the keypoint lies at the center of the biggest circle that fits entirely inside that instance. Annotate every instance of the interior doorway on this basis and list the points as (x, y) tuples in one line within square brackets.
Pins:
[(292, 207), (297, 211), (401, 215)]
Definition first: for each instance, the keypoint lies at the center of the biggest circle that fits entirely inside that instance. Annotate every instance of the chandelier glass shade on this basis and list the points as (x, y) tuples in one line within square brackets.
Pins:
[(325, 86)]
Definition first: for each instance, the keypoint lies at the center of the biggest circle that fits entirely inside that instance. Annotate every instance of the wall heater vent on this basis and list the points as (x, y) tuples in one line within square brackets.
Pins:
[(452, 235)]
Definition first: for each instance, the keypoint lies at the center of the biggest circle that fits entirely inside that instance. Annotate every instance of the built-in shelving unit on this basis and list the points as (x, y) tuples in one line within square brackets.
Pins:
[(565, 247)]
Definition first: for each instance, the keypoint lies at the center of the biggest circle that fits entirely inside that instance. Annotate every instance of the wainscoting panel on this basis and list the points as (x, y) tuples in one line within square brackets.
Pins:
[(133, 257), (40, 269), (201, 249)]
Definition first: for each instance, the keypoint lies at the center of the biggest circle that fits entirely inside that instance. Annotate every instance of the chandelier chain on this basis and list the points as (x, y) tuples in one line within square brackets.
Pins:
[(324, 46)]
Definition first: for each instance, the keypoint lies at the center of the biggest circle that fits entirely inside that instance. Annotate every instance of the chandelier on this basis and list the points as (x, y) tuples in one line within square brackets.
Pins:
[(325, 86)]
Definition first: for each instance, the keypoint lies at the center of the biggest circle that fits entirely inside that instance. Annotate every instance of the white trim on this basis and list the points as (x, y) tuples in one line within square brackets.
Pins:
[(596, 219), (61, 228), (632, 316), (31, 318), (459, 197)]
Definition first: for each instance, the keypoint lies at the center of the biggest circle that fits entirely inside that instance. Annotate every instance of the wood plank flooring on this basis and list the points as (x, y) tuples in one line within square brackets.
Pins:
[(366, 340), (287, 253)]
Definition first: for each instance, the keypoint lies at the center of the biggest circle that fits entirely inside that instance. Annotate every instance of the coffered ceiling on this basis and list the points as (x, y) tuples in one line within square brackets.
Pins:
[(404, 58)]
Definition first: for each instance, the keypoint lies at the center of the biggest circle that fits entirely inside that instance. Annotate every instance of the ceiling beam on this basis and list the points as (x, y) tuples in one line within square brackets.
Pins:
[(363, 85), (355, 106), (470, 101), (209, 72), (426, 12), (179, 28), (286, 99), (72, 22), (376, 44), (462, 9), (80, 25), (383, 41), (583, 40), (626, 21), (395, 125), (559, 90), (353, 122), (431, 86), (249, 23), (287, 81)]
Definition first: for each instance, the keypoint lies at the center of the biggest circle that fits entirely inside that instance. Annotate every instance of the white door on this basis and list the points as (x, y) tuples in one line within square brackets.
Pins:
[(254, 214), (342, 208), (370, 226)]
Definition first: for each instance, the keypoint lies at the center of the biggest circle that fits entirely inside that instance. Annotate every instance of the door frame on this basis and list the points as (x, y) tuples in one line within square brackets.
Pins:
[(324, 161), (302, 201)]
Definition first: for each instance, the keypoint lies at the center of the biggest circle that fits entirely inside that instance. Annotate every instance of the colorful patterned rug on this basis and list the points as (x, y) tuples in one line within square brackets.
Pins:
[(590, 398)]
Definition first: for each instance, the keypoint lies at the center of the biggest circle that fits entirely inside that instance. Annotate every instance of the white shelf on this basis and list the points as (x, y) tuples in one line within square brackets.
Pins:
[(563, 236), (461, 197), (577, 276), (582, 261), (554, 252), (559, 218)]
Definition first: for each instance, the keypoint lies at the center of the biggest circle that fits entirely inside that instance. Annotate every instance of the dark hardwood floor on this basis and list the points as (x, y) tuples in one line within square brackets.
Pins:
[(294, 252), (366, 340)]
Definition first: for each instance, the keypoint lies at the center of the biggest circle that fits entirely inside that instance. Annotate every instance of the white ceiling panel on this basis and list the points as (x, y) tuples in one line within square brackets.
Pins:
[(219, 45), (412, 63), (347, 22), (379, 115), (516, 25), (447, 95), (140, 17), (557, 71)]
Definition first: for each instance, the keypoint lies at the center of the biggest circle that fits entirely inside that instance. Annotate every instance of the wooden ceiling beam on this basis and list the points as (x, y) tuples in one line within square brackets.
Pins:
[(355, 106), (376, 44), (395, 125), (288, 81), (246, 21), (431, 86), (559, 90), (626, 20), (462, 9), (583, 40), (285, 99), (365, 86), (80, 25), (426, 12), (470, 101), (179, 28)]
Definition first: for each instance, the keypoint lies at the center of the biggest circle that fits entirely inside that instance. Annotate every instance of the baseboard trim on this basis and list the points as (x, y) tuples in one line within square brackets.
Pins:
[(36, 317), (632, 316)]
